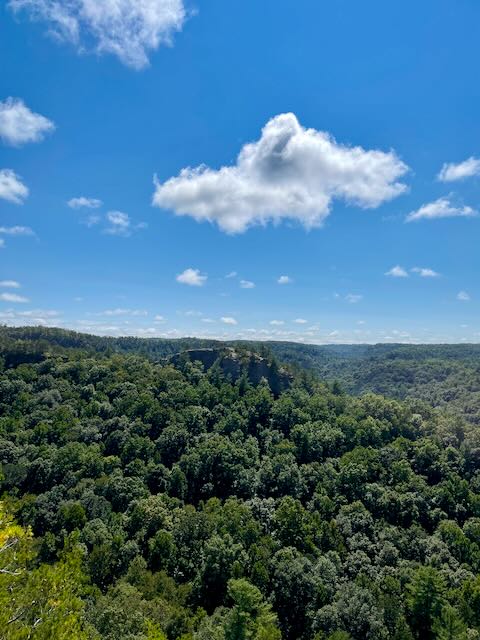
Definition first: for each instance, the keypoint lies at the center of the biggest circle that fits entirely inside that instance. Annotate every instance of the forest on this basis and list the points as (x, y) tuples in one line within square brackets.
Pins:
[(446, 376), (143, 499)]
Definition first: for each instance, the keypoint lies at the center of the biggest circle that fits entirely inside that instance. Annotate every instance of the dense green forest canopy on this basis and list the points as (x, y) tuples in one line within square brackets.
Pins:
[(144, 500), (446, 376)]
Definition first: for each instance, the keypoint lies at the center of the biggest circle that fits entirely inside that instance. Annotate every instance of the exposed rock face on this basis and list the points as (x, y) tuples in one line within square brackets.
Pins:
[(233, 364)]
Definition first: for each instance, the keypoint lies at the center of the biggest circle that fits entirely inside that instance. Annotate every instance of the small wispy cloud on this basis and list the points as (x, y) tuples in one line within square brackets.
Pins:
[(10, 284), (451, 172), (463, 296), (119, 223), (17, 231), (192, 277), (276, 323), (425, 272), (284, 280), (122, 312), (441, 208), (12, 297), (92, 221), (353, 298), (19, 125), (300, 321), (247, 284), (397, 272), (83, 202), (228, 320), (127, 29), (232, 274), (12, 188), (31, 317)]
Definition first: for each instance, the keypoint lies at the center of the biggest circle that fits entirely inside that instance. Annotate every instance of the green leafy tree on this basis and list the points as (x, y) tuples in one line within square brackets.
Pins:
[(40, 603), (426, 597), (250, 617), (450, 625)]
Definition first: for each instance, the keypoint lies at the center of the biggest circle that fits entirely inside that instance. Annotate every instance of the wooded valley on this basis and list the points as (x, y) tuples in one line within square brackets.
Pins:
[(147, 500)]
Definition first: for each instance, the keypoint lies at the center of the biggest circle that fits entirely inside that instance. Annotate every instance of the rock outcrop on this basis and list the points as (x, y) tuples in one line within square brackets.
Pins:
[(233, 365)]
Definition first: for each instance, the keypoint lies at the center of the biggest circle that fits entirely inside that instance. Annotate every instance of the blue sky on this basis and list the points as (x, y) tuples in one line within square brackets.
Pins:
[(359, 117)]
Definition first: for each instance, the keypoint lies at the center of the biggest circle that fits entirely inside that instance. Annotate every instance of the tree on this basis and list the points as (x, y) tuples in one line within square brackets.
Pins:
[(250, 617), (40, 603), (425, 600), (450, 625)]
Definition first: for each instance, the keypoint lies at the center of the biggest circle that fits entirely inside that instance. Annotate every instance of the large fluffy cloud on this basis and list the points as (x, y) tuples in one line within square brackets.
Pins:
[(19, 125), (129, 29), (12, 187), (291, 172)]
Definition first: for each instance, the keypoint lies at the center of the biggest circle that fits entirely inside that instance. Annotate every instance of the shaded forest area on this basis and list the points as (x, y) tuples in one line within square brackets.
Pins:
[(143, 500)]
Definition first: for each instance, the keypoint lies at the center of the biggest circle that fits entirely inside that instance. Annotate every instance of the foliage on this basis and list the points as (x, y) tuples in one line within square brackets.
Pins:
[(155, 501)]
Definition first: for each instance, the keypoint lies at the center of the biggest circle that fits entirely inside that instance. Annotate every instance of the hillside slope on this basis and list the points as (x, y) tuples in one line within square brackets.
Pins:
[(445, 376)]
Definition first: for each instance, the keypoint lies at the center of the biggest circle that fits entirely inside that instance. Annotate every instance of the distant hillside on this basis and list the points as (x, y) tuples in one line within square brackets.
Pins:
[(446, 376)]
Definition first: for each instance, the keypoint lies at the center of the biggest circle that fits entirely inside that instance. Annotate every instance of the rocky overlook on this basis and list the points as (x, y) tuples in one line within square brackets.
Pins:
[(234, 364)]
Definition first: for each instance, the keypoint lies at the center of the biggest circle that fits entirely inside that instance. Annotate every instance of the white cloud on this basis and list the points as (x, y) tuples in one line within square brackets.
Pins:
[(291, 172), (247, 284), (397, 272), (17, 231), (31, 317), (276, 323), (82, 201), (38, 313), (159, 319), (300, 321), (123, 312), (10, 284), (128, 29), (19, 125), (12, 187), (119, 223), (232, 274), (441, 208), (451, 172), (353, 298), (463, 296), (192, 277), (284, 280), (425, 272), (12, 297), (2, 243), (92, 220), (228, 320)]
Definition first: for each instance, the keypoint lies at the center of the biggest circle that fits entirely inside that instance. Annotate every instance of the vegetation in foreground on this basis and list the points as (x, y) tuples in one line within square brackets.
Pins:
[(146, 501)]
